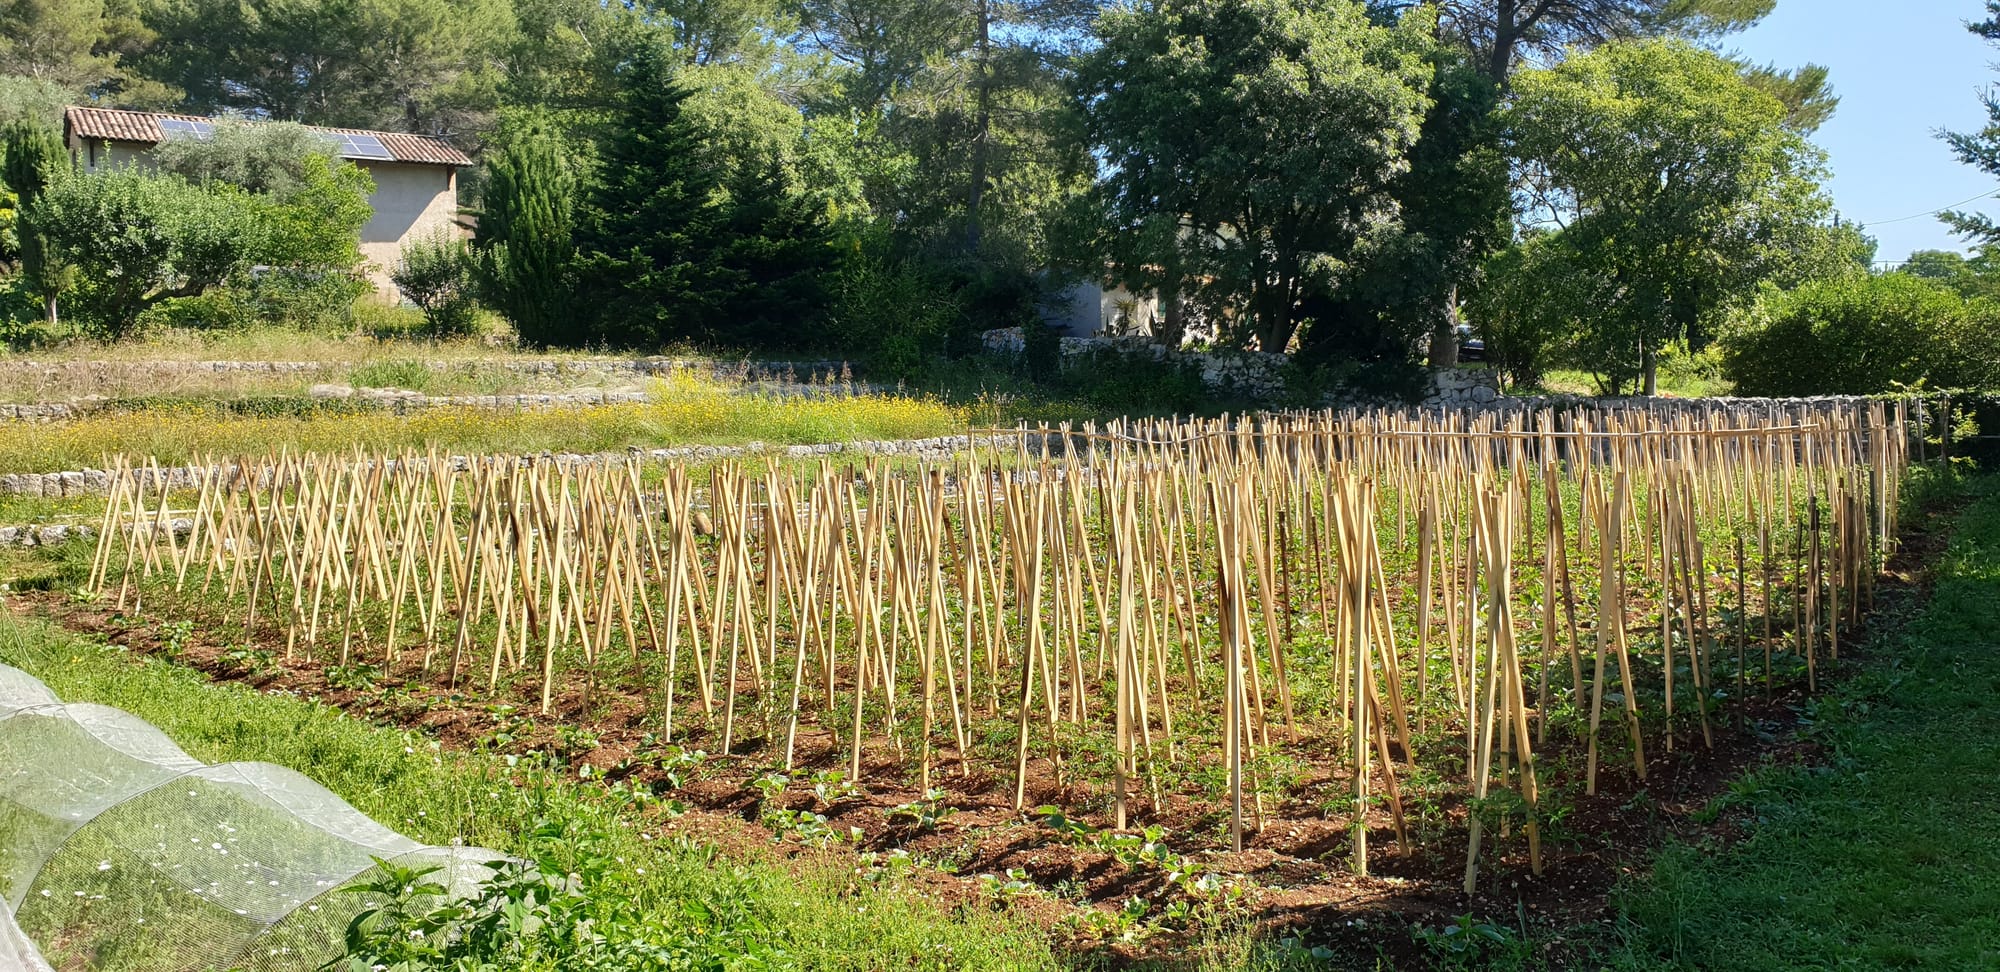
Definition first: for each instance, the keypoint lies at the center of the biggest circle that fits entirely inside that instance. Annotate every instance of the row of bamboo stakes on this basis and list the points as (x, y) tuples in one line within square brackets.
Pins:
[(1151, 589)]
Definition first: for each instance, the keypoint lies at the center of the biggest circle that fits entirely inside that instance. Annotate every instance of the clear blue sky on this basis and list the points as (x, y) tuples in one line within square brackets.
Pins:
[(1902, 70)]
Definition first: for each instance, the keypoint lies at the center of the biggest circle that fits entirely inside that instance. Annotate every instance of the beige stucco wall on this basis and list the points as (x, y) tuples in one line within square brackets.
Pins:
[(410, 201), (98, 154)]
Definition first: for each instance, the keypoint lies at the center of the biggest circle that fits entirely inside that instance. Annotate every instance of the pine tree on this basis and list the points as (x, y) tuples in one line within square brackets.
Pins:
[(650, 220), (775, 254), (524, 238), (1979, 149), (31, 150)]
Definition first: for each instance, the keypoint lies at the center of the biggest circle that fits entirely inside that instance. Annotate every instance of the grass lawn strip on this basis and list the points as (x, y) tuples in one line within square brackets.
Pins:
[(1883, 854), (698, 906)]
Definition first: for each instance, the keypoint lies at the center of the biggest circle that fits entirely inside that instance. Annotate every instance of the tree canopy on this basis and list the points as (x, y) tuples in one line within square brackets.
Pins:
[(1332, 179), (1307, 112), (1676, 182)]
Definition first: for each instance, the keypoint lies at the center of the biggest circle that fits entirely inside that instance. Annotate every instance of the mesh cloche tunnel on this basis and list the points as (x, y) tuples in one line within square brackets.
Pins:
[(118, 851)]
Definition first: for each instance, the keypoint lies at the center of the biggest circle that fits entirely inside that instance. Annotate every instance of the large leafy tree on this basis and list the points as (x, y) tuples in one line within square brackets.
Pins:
[(561, 59), (413, 65), (1496, 38), (1974, 276), (1675, 182), (958, 112), (54, 40), (1250, 147), (1455, 207), (78, 47), (1502, 33)]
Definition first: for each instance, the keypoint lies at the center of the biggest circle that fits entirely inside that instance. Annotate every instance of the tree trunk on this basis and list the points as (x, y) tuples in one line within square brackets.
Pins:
[(1274, 324), (1649, 370), (982, 125), (49, 310), (1173, 319), (1501, 59), (1444, 331)]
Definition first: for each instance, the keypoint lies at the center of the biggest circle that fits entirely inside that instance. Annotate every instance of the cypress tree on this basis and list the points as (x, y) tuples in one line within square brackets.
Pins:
[(524, 238), (649, 222), (31, 150)]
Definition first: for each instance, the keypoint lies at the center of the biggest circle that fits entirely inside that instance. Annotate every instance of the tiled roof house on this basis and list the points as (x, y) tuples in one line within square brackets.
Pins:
[(416, 176)]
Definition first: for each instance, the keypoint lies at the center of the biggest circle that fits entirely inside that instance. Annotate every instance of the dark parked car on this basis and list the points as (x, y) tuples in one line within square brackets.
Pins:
[(1470, 348)]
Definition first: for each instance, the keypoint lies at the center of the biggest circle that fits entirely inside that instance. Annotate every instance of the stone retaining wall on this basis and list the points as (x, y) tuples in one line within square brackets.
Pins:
[(1261, 377), (643, 366), (91, 482), (1660, 406), (802, 374), (401, 402)]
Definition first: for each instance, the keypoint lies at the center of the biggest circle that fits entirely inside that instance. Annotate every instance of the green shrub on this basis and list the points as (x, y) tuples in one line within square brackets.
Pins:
[(435, 274), (891, 314), (216, 310), (1690, 373), (1864, 335), (21, 325), (1041, 351), (320, 301), (387, 322), (1530, 307), (1116, 380)]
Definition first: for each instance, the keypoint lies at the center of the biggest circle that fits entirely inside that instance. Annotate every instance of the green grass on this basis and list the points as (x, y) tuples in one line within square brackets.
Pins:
[(682, 411), (714, 912), (1883, 852), (1672, 383)]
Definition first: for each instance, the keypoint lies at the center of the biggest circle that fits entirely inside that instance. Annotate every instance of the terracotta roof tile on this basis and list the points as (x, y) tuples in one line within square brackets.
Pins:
[(144, 126)]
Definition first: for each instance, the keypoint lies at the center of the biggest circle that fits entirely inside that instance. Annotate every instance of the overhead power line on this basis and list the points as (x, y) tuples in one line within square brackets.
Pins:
[(1934, 212)]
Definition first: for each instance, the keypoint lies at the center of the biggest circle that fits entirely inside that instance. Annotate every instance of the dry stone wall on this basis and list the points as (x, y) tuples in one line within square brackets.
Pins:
[(808, 376), (91, 482)]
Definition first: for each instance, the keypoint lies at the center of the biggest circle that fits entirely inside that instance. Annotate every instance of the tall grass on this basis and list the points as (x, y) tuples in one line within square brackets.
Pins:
[(684, 411)]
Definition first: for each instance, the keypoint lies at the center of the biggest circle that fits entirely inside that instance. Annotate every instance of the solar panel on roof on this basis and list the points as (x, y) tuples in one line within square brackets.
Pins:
[(358, 146), (180, 128)]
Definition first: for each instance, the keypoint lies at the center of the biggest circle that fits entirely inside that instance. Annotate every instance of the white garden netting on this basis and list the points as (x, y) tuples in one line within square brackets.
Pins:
[(118, 851)]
